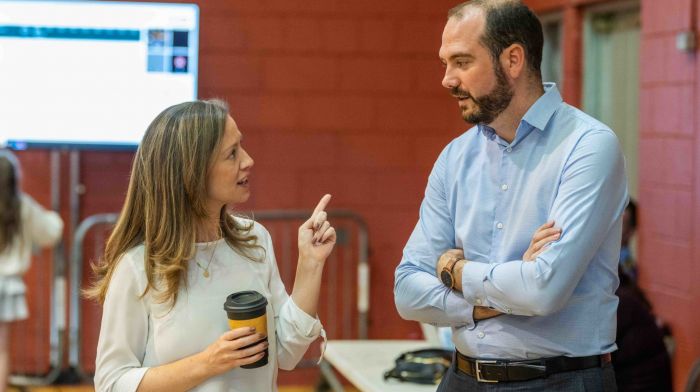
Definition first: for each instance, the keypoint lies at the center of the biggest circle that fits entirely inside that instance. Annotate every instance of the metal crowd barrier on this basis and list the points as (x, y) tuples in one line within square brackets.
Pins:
[(344, 304), (77, 281)]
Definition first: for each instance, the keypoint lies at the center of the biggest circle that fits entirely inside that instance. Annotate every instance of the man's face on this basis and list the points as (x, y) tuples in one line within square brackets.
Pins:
[(477, 81)]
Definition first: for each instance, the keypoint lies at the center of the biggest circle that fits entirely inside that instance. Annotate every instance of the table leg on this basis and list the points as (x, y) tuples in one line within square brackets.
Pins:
[(330, 377)]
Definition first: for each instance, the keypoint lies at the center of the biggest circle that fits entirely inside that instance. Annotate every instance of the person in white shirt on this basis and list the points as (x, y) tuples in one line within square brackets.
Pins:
[(24, 225), (177, 252)]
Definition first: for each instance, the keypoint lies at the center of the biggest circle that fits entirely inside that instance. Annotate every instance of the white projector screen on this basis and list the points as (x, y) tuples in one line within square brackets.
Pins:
[(92, 74)]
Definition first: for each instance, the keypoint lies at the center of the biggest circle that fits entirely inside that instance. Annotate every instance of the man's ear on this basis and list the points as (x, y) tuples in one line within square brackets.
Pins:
[(513, 61)]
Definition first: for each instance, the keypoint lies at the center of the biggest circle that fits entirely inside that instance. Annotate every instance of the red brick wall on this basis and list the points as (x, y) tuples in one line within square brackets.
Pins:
[(340, 97), (344, 97), (669, 174)]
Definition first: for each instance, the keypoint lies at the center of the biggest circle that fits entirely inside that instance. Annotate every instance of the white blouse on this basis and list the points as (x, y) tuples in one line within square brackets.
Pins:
[(138, 333), (40, 227)]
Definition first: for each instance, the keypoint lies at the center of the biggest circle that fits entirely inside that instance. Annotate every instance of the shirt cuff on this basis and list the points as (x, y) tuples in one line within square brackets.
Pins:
[(473, 277), (305, 325), (130, 380), (457, 311)]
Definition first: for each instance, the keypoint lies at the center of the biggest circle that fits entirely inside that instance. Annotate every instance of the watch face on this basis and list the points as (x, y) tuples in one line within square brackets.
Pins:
[(446, 278)]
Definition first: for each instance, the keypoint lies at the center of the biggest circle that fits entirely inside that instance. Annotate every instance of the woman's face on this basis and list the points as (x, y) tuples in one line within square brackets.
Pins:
[(228, 182)]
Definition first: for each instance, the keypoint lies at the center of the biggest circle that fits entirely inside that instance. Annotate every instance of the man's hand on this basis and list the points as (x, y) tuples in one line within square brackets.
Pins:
[(452, 254), (483, 313), (540, 240), (480, 312)]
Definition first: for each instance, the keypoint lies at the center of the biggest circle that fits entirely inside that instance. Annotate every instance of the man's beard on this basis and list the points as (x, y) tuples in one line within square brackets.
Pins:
[(489, 106)]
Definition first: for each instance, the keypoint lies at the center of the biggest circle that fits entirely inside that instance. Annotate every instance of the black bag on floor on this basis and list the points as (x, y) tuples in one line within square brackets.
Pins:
[(425, 366)]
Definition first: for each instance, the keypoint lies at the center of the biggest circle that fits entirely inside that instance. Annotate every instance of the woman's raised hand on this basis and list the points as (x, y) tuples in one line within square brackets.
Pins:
[(316, 235)]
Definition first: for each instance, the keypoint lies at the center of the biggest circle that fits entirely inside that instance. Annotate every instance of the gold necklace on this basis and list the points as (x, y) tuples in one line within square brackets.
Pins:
[(205, 272)]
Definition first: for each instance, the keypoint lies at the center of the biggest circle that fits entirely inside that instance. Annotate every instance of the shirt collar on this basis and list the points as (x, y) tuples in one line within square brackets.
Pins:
[(537, 116), (543, 109), (486, 131)]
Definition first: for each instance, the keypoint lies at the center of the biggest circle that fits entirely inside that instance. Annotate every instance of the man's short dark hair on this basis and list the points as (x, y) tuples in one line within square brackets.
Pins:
[(508, 22)]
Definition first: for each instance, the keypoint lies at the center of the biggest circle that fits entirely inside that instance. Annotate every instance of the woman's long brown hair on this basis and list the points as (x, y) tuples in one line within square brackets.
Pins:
[(10, 210), (166, 200)]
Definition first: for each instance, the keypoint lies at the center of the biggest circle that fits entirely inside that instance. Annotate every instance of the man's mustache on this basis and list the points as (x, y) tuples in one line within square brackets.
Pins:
[(459, 93)]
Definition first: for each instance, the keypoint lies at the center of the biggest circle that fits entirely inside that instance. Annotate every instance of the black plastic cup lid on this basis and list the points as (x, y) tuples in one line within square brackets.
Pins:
[(243, 301)]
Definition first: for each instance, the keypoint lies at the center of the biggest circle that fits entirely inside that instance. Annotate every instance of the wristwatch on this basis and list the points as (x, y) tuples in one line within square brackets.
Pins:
[(446, 275)]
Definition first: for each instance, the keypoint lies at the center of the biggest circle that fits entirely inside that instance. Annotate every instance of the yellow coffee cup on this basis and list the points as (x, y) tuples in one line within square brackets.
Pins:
[(248, 309)]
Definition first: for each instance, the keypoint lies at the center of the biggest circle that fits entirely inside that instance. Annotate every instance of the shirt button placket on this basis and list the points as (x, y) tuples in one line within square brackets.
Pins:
[(500, 198)]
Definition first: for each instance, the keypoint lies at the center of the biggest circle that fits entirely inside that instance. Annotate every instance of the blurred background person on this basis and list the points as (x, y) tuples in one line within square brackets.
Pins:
[(642, 361), (24, 225), (628, 264)]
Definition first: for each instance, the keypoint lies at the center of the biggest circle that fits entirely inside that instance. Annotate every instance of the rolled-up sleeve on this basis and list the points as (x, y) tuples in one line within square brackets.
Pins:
[(418, 293), (296, 330), (591, 197), (123, 333)]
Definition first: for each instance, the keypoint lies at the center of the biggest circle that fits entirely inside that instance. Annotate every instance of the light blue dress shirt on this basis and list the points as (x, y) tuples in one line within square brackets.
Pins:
[(488, 197)]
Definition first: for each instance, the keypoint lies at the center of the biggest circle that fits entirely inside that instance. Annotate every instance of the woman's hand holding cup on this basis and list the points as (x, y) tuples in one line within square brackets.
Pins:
[(316, 236), (231, 350)]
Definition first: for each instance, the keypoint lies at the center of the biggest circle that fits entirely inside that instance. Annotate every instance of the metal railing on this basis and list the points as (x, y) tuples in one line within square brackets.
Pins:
[(76, 278), (344, 306)]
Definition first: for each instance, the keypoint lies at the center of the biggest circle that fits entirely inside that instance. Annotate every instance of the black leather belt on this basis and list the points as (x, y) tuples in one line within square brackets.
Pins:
[(495, 370)]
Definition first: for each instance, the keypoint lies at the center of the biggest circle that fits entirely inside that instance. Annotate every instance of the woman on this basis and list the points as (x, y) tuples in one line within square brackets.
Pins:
[(176, 253), (24, 225)]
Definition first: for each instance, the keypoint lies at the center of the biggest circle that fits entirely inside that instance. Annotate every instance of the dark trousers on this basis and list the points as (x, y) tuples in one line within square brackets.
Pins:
[(600, 379)]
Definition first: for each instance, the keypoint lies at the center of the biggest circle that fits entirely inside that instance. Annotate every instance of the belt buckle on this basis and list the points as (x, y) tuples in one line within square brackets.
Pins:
[(478, 363)]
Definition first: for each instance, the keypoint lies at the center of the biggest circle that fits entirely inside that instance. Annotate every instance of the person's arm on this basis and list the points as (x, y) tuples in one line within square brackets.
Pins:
[(44, 226), (315, 241), (296, 318), (544, 235), (123, 338), (418, 293), (590, 199)]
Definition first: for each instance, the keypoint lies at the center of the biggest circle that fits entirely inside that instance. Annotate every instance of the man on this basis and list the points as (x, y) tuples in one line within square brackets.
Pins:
[(531, 313)]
